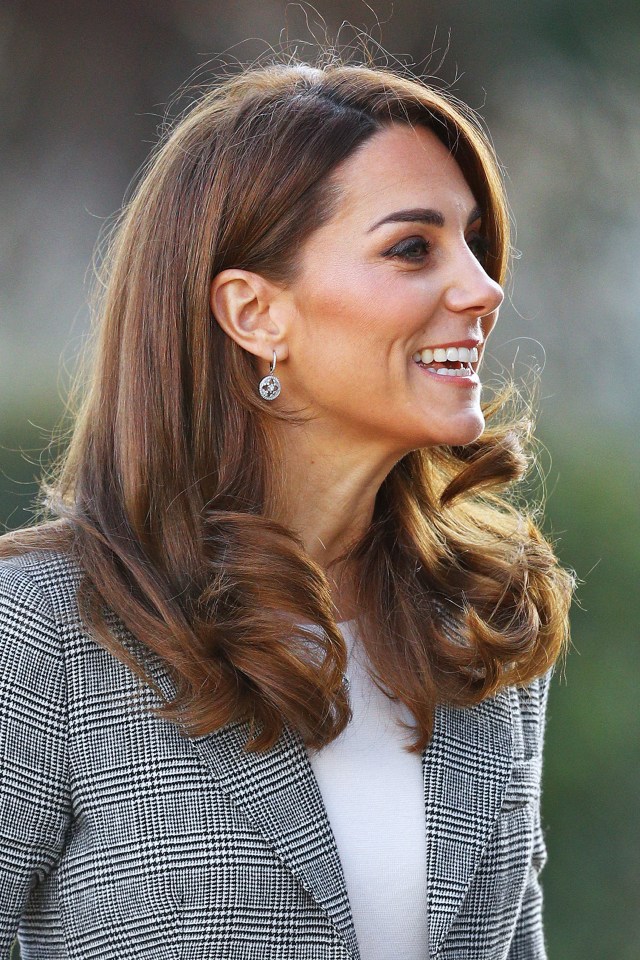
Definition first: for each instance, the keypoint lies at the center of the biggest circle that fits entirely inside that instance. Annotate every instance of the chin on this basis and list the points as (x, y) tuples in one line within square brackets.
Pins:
[(464, 433)]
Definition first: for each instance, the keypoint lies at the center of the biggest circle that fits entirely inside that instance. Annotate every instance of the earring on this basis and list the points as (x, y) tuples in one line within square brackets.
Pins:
[(270, 386)]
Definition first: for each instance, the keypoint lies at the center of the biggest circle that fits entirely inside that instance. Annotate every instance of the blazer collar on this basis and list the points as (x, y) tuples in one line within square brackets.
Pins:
[(279, 792), (466, 768)]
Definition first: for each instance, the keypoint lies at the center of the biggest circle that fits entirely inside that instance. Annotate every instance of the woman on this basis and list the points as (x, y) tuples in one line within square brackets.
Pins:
[(275, 668)]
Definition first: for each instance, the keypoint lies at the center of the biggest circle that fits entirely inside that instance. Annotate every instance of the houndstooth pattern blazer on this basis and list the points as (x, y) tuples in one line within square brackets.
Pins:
[(121, 837)]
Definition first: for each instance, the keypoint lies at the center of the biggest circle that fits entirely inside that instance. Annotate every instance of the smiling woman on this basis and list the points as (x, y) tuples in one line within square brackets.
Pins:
[(276, 544)]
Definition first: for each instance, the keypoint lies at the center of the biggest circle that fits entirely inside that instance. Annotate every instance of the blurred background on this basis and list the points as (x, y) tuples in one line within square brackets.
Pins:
[(84, 90)]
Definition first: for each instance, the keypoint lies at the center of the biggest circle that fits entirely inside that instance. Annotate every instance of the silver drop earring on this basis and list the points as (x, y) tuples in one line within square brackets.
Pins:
[(270, 386)]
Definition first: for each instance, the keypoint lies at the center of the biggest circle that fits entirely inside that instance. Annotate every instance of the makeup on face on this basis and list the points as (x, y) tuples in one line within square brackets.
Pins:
[(393, 283)]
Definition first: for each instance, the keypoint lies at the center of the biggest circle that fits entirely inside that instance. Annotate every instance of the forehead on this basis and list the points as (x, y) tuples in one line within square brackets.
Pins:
[(401, 167)]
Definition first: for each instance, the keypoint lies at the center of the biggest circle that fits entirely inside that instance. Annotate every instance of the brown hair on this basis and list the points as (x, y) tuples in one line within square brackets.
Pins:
[(164, 495)]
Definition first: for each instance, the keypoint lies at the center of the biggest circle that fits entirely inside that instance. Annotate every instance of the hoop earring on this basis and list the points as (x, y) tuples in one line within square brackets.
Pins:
[(269, 386)]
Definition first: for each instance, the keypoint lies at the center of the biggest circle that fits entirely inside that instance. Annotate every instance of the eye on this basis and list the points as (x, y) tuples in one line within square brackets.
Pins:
[(479, 246), (412, 249)]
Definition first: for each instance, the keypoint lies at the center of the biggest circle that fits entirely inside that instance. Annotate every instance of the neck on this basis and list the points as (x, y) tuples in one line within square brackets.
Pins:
[(327, 499)]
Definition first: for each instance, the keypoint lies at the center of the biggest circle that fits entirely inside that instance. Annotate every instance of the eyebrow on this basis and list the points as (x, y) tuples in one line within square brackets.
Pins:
[(422, 215)]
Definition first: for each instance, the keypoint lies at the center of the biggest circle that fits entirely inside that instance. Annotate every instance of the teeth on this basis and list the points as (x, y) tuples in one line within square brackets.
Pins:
[(441, 354), (456, 372)]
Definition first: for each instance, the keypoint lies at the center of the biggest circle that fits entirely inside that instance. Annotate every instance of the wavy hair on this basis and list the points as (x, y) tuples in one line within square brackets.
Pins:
[(165, 493)]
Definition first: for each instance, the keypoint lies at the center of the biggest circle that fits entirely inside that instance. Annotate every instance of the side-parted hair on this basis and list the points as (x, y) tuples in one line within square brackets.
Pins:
[(165, 493)]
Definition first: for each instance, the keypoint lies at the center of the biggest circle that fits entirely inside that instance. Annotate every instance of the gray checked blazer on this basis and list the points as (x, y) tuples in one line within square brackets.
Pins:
[(122, 837)]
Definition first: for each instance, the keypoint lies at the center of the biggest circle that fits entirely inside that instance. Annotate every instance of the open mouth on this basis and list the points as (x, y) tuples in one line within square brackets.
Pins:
[(448, 361)]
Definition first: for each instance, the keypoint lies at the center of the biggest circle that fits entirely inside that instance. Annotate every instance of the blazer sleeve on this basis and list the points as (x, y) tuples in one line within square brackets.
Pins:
[(528, 941), (34, 795)]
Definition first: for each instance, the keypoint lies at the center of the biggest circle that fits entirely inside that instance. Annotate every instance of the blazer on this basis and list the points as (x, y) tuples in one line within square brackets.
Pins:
[(123, 837)]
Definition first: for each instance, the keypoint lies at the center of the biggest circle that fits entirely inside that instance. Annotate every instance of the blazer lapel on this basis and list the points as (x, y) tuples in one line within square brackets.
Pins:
[(280, 793), (466, 768)]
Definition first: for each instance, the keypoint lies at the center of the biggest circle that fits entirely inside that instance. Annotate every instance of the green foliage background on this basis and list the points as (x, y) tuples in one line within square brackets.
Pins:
[(592, 754)]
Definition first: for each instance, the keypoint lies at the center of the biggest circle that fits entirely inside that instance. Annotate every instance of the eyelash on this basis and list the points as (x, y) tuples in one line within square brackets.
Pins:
[(403, 250)]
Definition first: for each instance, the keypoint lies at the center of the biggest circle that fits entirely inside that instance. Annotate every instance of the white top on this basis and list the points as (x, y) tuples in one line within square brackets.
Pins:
[(374, 796)]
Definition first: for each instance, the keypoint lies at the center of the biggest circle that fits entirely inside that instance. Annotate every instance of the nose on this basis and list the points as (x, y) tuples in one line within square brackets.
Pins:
[(471, 289)]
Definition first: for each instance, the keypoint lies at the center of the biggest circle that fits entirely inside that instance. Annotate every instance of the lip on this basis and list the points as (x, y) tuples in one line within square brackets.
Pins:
[(468, 382)]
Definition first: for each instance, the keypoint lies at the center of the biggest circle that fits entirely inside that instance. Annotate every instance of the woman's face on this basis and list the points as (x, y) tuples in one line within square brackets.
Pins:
[(397, 270)]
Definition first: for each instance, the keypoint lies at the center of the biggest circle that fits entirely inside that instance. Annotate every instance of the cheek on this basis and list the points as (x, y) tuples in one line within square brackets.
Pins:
[(363, 308), (344, 312), (488, 323), (344, 349)]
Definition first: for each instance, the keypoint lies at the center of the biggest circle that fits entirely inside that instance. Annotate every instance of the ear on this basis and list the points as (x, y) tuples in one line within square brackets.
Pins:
[(247, 307)]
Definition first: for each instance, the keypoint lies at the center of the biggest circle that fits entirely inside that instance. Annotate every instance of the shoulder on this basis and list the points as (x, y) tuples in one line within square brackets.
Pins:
[(533, 697), (531, 712), (42, 629), (38, 593), (43, 582)]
